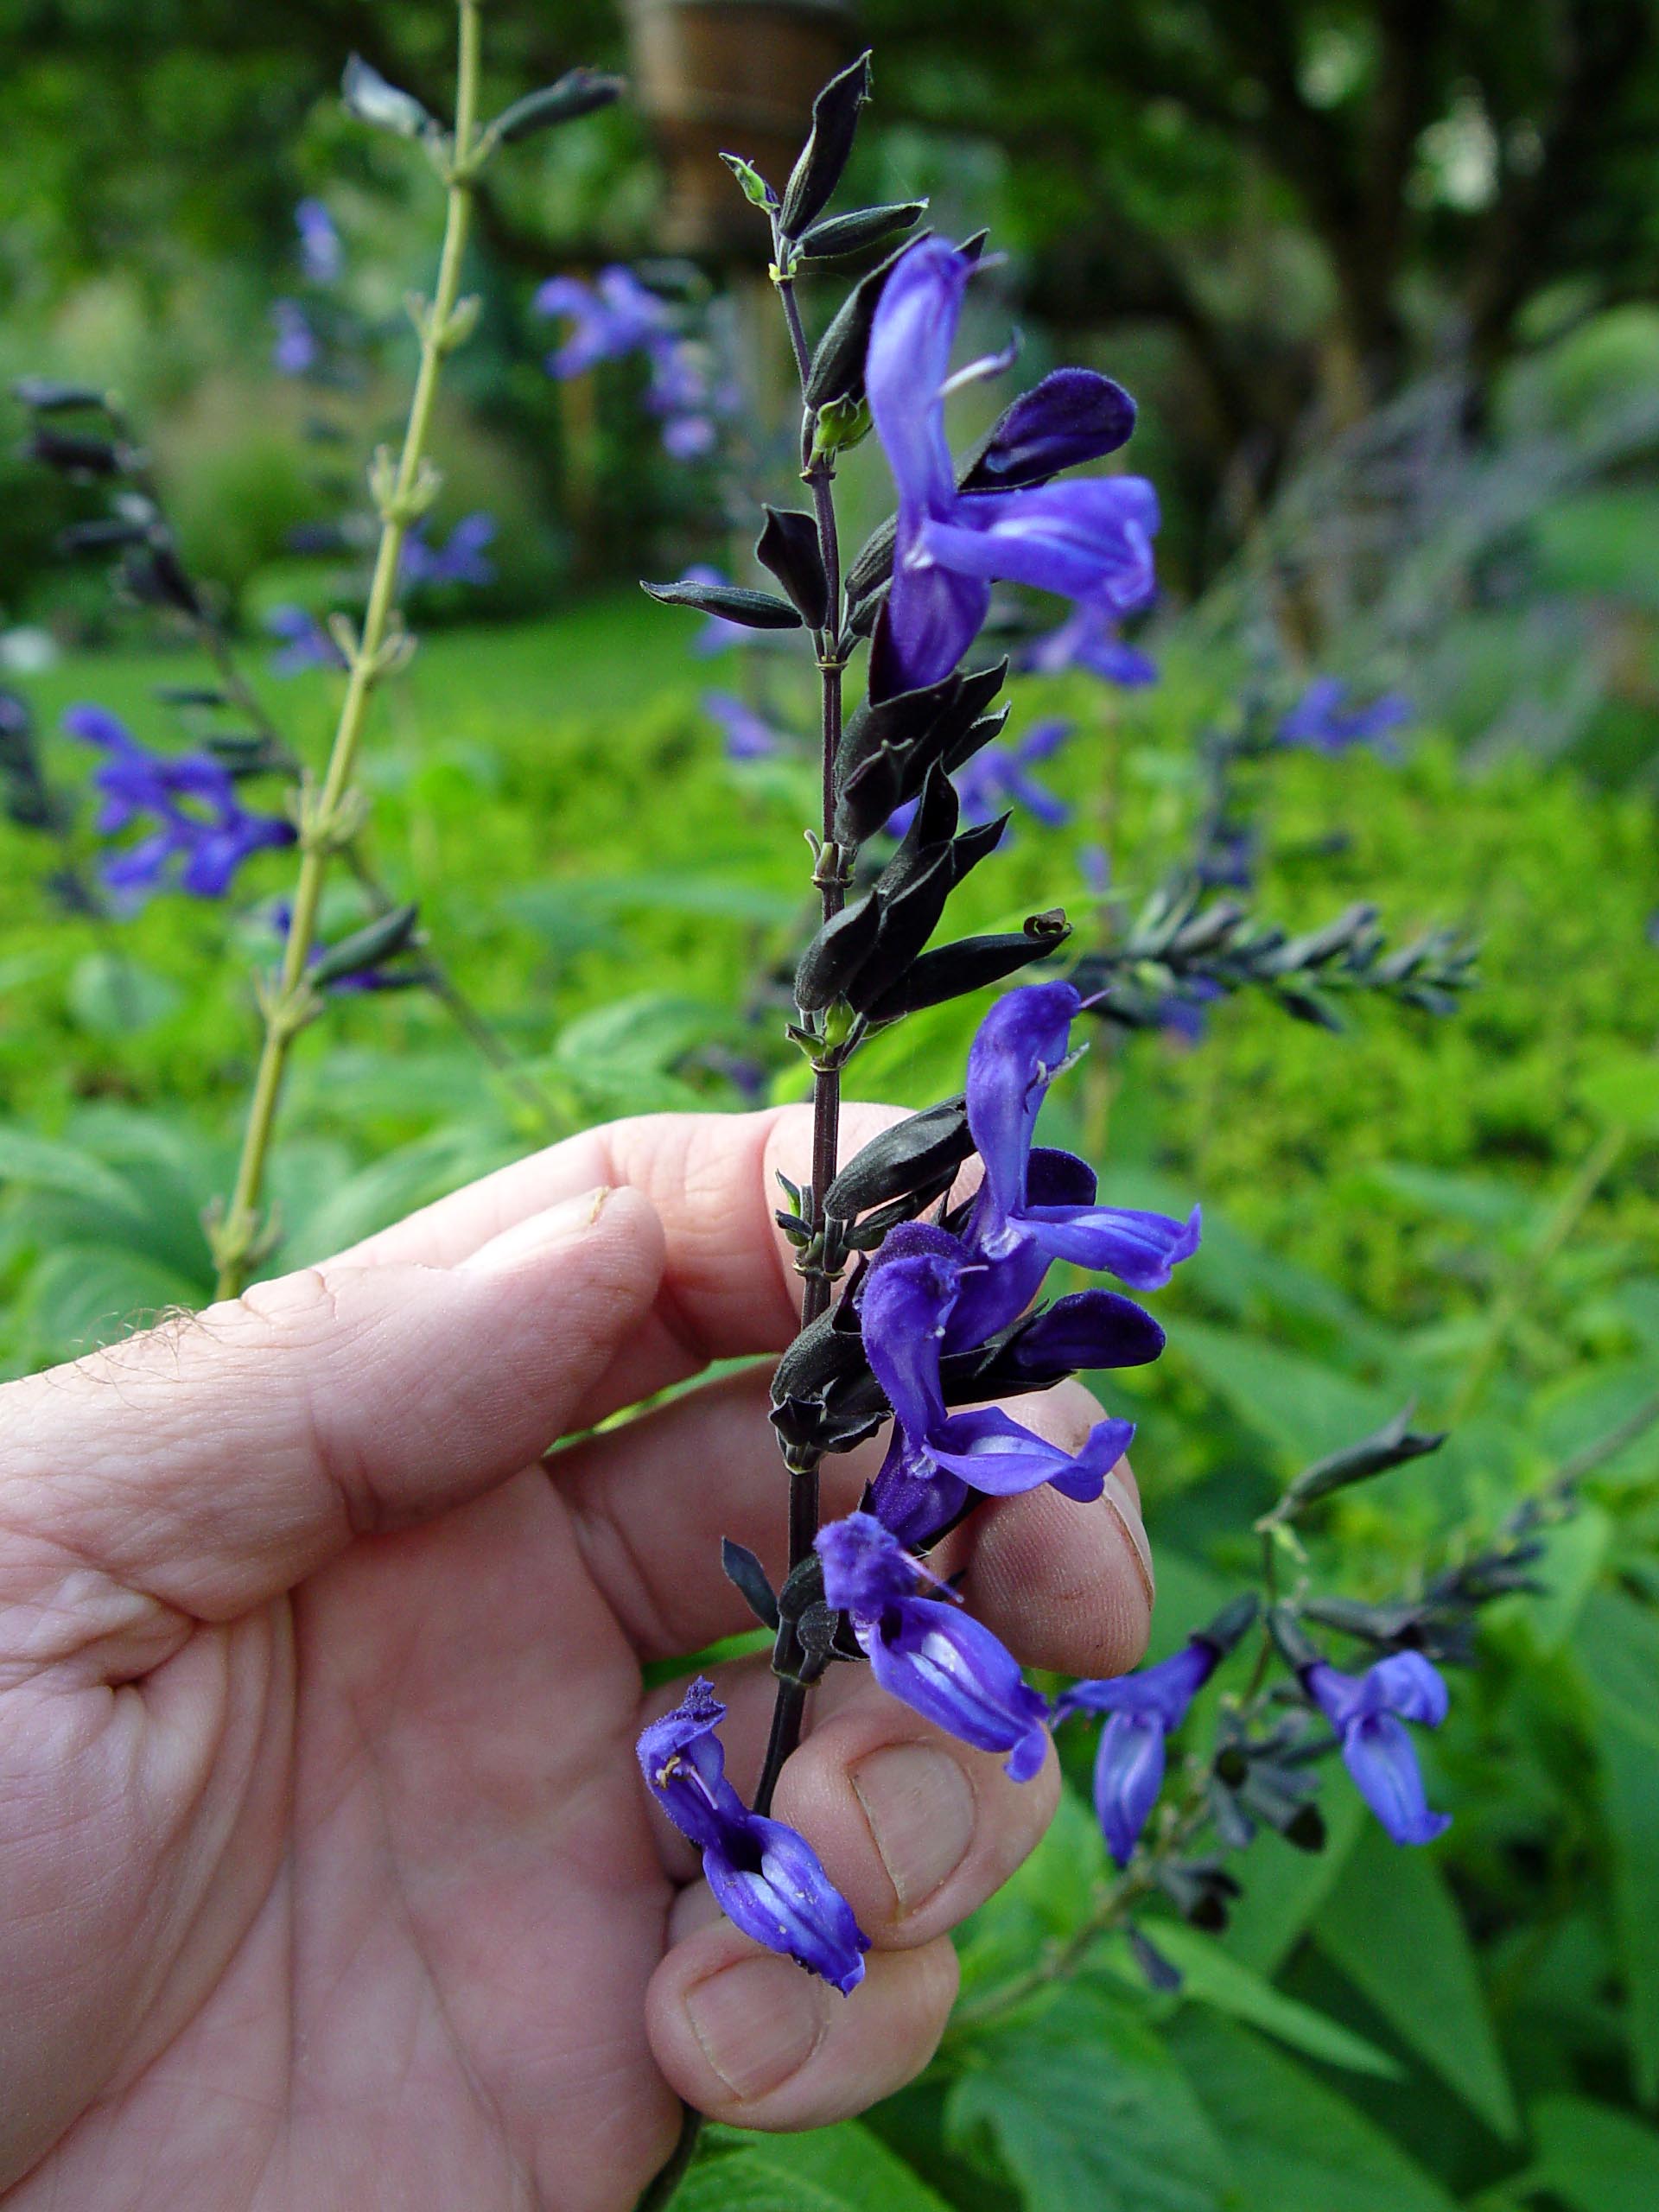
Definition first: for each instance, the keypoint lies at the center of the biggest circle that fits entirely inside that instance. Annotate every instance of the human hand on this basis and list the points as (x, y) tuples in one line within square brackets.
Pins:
[(326, 1876)]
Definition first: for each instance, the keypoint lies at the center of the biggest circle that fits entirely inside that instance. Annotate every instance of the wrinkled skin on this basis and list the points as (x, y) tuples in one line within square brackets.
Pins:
[(327, 1878)]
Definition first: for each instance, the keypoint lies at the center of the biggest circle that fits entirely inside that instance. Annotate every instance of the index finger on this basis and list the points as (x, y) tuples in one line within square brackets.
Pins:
[(730, 1288)]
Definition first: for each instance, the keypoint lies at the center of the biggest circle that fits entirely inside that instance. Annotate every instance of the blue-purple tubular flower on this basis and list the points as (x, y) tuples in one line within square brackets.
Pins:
[(1088, 638), (749, 735), (1323, 720), (321, 255), (613, 316), (765, 1879), (1142, 1710), (936, 1660), (1020, 1045), (302, 642), (202, 834), (461, 560), (1368, 1712), (1091, 539), (295, 350), (617, 315), (937, 1459)]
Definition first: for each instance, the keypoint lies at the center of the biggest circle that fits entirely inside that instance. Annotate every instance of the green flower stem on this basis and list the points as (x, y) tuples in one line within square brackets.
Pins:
[(328, 814), (437, 980)]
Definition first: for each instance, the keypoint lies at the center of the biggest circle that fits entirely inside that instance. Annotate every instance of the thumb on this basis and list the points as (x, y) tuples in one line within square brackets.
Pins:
[(216, 1460)]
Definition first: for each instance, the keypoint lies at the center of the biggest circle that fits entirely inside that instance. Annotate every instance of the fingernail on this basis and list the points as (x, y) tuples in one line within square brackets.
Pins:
[(543, 1233), (1120, 1498), (757, 2023), (920, 1808)]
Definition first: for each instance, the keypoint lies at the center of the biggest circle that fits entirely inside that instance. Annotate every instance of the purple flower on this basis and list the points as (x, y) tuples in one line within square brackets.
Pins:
[(688, 437), (1322, 721), (319, 249), (613, 316), (1183, 1015), (994, 779), (1020, 1045), (936, 1459), (1368, 1712), (616, 316), (1088, 638), (1091, 539), (296, 350), (948, 1667), (1095, 867), (765, 1879), (461, 560), (1143, 1710), (202, 833), (305, 643), (748, 736)]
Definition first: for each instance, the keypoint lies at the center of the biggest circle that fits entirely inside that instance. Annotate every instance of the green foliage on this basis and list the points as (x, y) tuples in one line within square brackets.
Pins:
[(842, 2168), (1087, 2111), (1406, 1211)]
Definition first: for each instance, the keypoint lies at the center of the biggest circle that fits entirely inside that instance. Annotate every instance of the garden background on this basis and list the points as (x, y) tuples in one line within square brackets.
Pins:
[(1381, 278)]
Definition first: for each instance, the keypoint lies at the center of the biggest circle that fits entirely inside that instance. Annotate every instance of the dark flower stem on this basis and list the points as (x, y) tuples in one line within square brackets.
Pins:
[(829, 876)]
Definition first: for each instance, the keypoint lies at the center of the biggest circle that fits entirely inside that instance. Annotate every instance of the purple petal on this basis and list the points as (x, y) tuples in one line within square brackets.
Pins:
[(1407, 1684), (1383, 1759), (928, 622), (1073, 417), (1053, 813), (1164, 1691), (953, 1671), (905, 1305), (1128, 1775), (769, 1882), (1019, 1045), (1090, 1329), (95, 725), (913, 1497), (993, 1453), (1092, 539), (1139, 1248), (1044, 739), (911, 338), (866, 1568)]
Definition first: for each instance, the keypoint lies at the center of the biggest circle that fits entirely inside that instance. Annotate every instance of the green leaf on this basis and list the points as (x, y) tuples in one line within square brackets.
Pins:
[(1293, 2146), (1088, 2112), (1045, 1897), (1592, 2157), (1306, 1408), (1574, 1552), (113, 997), (1392, 1927), (1617, 1644), (39, 1164), (843, 2169), (1211, 1977), (79, 1297), (1189, 1594), (651, 1029)]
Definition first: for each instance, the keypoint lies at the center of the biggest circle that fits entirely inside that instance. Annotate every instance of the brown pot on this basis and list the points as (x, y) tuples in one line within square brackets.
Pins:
[(730, 76)]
